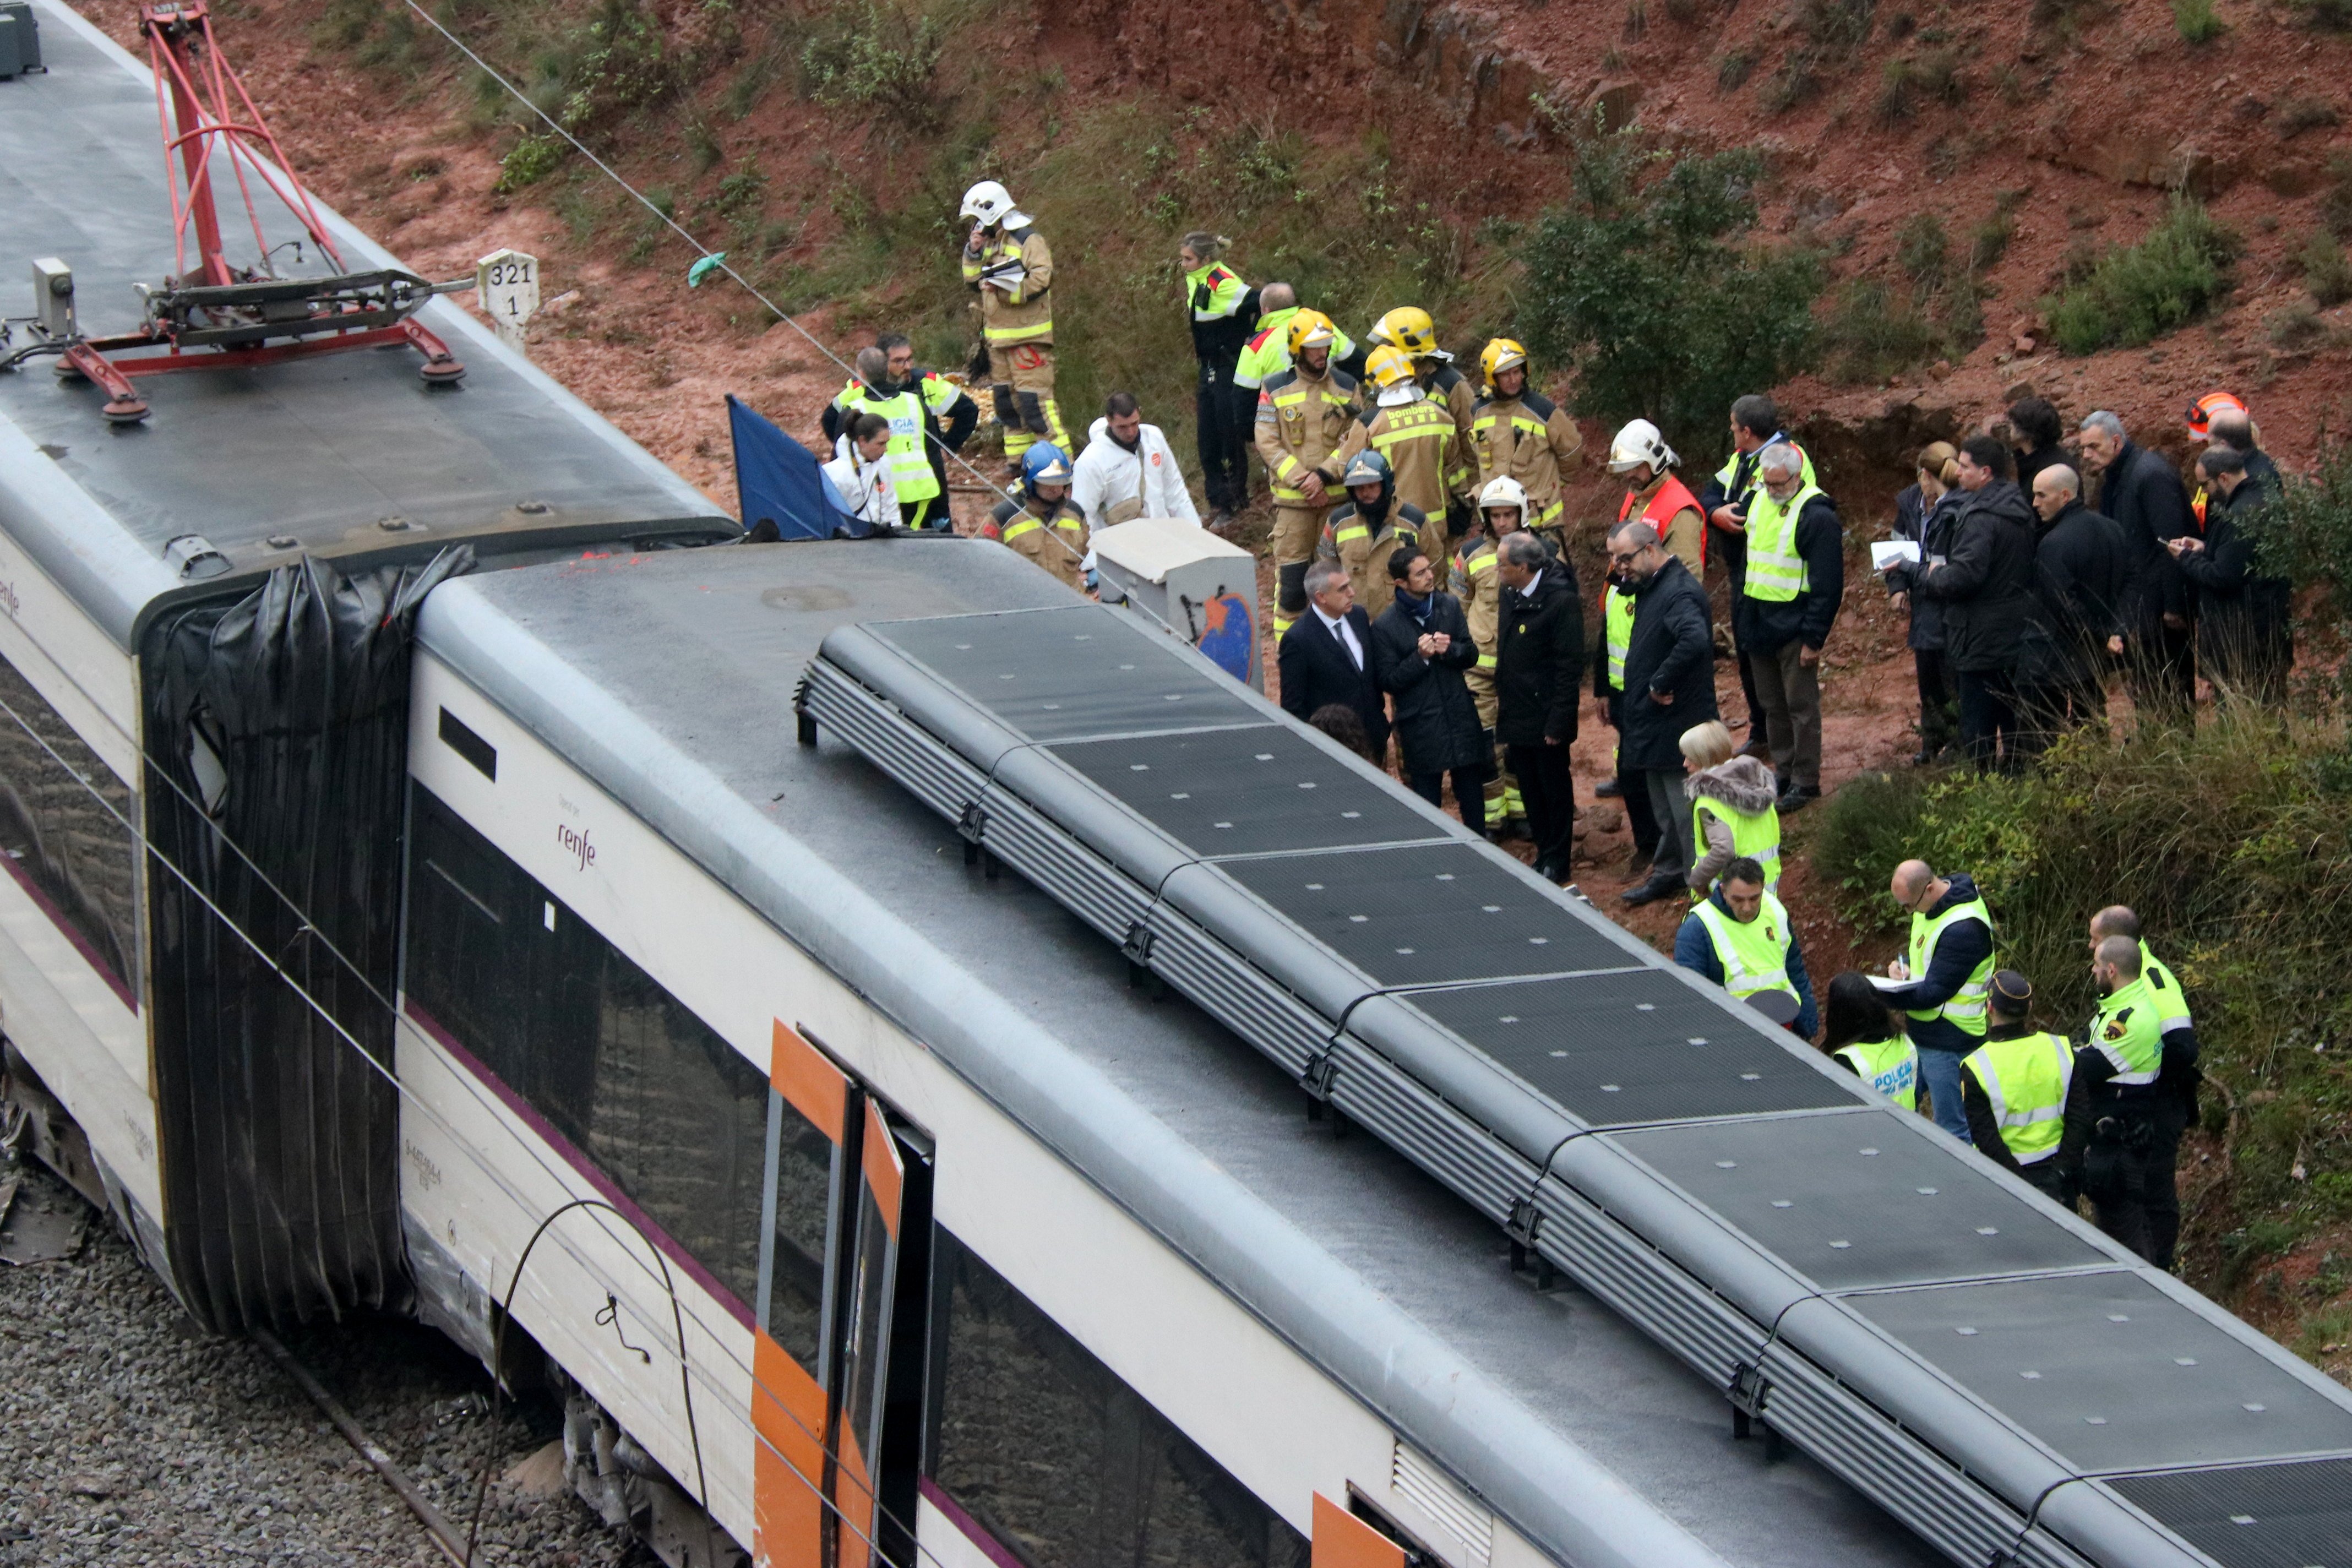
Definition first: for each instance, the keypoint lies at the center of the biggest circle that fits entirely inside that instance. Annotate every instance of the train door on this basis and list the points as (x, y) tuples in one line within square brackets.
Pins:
[(845, 1263)]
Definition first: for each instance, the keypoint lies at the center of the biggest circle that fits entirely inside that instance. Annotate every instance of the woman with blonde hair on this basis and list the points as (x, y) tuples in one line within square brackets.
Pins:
[(1924, 515), (1732, 812)]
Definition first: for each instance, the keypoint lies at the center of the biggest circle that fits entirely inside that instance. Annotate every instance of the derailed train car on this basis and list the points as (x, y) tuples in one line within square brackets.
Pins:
[(203, 649)]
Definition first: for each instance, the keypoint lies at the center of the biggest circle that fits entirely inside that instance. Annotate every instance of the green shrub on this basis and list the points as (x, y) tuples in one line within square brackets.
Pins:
[(876, 57), (1651, 284), (1923, 250), (1734, 70), (530, 161), (2196, 22), (2327, 16), (1875, 329), (1898, 91), (2136, 293)]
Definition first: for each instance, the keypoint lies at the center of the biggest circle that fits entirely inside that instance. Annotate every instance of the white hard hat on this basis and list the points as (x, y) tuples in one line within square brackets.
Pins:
[(988, 201), (1505, 491), (1637, 444)]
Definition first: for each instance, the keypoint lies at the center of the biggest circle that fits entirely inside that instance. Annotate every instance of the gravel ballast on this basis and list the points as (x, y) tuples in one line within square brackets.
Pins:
[(127, 1434)]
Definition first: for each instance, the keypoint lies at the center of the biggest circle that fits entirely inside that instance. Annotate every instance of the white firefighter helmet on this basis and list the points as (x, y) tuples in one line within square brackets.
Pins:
[(1503, 491), (988, 203), (1637, 444)]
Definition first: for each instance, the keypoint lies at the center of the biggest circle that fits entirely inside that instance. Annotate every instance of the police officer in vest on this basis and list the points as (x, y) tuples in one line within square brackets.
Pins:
[(2176, 1101), (929, 416), (2111, 1112), (1741, 938), (1223, 310), (1944, 980), (1862, 1038), (2014, 1089), (1795, 582)]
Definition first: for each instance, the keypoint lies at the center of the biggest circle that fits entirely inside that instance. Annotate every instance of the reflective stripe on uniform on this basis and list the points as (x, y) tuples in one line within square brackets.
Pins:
[(1891, 1067), (1967, 1006), (1617, 633), (910, 465), (1753, 955), (2125, 1032), (2025, 1080), (1776, 572), (1754, 835)]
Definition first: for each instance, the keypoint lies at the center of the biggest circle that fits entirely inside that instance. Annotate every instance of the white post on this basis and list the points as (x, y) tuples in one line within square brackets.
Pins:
[(506, 285)]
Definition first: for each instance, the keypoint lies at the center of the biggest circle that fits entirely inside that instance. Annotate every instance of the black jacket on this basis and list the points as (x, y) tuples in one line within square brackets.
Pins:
[(2079, 580), (1930, 526), (2244, 619), (1540, 660), (1985, 583), (1316, 672), (1672, 650), (1436, 718), (1765, 626), (2143, 494), (1218, 344), (2030, 464)]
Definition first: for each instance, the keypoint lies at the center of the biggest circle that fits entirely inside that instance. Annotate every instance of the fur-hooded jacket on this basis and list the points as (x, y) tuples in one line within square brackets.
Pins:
[(1743, 783)]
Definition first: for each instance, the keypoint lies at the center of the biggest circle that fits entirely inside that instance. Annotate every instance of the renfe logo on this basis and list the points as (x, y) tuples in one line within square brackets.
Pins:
[(8, 600), (575, 844)]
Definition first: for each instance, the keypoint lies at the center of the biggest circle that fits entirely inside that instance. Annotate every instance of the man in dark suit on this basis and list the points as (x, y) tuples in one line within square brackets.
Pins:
[(2144, 494), (1325, 657), (1538, 680), (1669, 688)]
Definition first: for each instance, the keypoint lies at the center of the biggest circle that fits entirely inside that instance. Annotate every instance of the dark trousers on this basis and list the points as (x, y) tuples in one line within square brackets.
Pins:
[(1936, 719), (1755, 721), (2159, 1185), (2049, 709), (2129, 1162), (1224, 438), (1671, 810), (1988, 714), (1469, 794), (2043, 1177), (1550, 791), (1638, 814), (2160, 671)]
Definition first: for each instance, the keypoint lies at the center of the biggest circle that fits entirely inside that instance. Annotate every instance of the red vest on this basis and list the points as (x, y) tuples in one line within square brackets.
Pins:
[(1672, 496)]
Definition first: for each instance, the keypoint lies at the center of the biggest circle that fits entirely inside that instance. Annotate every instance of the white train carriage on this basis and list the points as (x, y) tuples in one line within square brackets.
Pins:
[(203, 641), (974, 1239)]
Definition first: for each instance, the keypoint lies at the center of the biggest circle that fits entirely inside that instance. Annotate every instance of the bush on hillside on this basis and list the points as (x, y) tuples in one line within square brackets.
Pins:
[(876, 57), (2234, 843), (1651, 283), (2136, 293)]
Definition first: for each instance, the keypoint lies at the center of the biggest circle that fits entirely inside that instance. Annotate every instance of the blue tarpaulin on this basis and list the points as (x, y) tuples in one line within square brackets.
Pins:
[(779, 480)]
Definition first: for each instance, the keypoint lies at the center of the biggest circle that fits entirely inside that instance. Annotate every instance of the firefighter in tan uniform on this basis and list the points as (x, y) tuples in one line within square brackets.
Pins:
[(1517, 435), (1303, 415), (1045, 526), (1007, 261), (1416, 436), (1372, 524), (1409, 329), (1503, 504)]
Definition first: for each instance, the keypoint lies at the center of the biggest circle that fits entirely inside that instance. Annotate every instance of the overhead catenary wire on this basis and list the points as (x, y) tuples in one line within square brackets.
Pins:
[(496, 1178)]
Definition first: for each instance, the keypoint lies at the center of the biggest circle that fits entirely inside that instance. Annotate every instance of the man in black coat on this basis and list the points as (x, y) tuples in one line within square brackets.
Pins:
[(1421, 646), (1669, 687), (1538, 681), (2141, 490), (1783, 637), (1325, 659), (2079, 583), (1986, 586), (2245, 634), (1755, 424), (2236, 431)]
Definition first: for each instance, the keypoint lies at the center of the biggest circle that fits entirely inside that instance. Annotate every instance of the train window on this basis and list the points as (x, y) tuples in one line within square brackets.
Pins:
[(805, 1178), (78, 859), (1040, 1444), (668, 1110)]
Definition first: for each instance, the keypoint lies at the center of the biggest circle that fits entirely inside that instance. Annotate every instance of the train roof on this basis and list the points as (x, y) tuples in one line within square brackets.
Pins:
[(670, 679), (321, 451)]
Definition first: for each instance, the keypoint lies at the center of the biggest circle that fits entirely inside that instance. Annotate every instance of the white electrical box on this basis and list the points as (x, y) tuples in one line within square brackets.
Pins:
[(53, 298), (1195, 584)]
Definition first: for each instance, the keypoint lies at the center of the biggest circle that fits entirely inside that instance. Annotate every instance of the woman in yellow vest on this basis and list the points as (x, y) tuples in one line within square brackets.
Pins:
[(2014, 1087), (1862, 1039), (1732, 814)]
